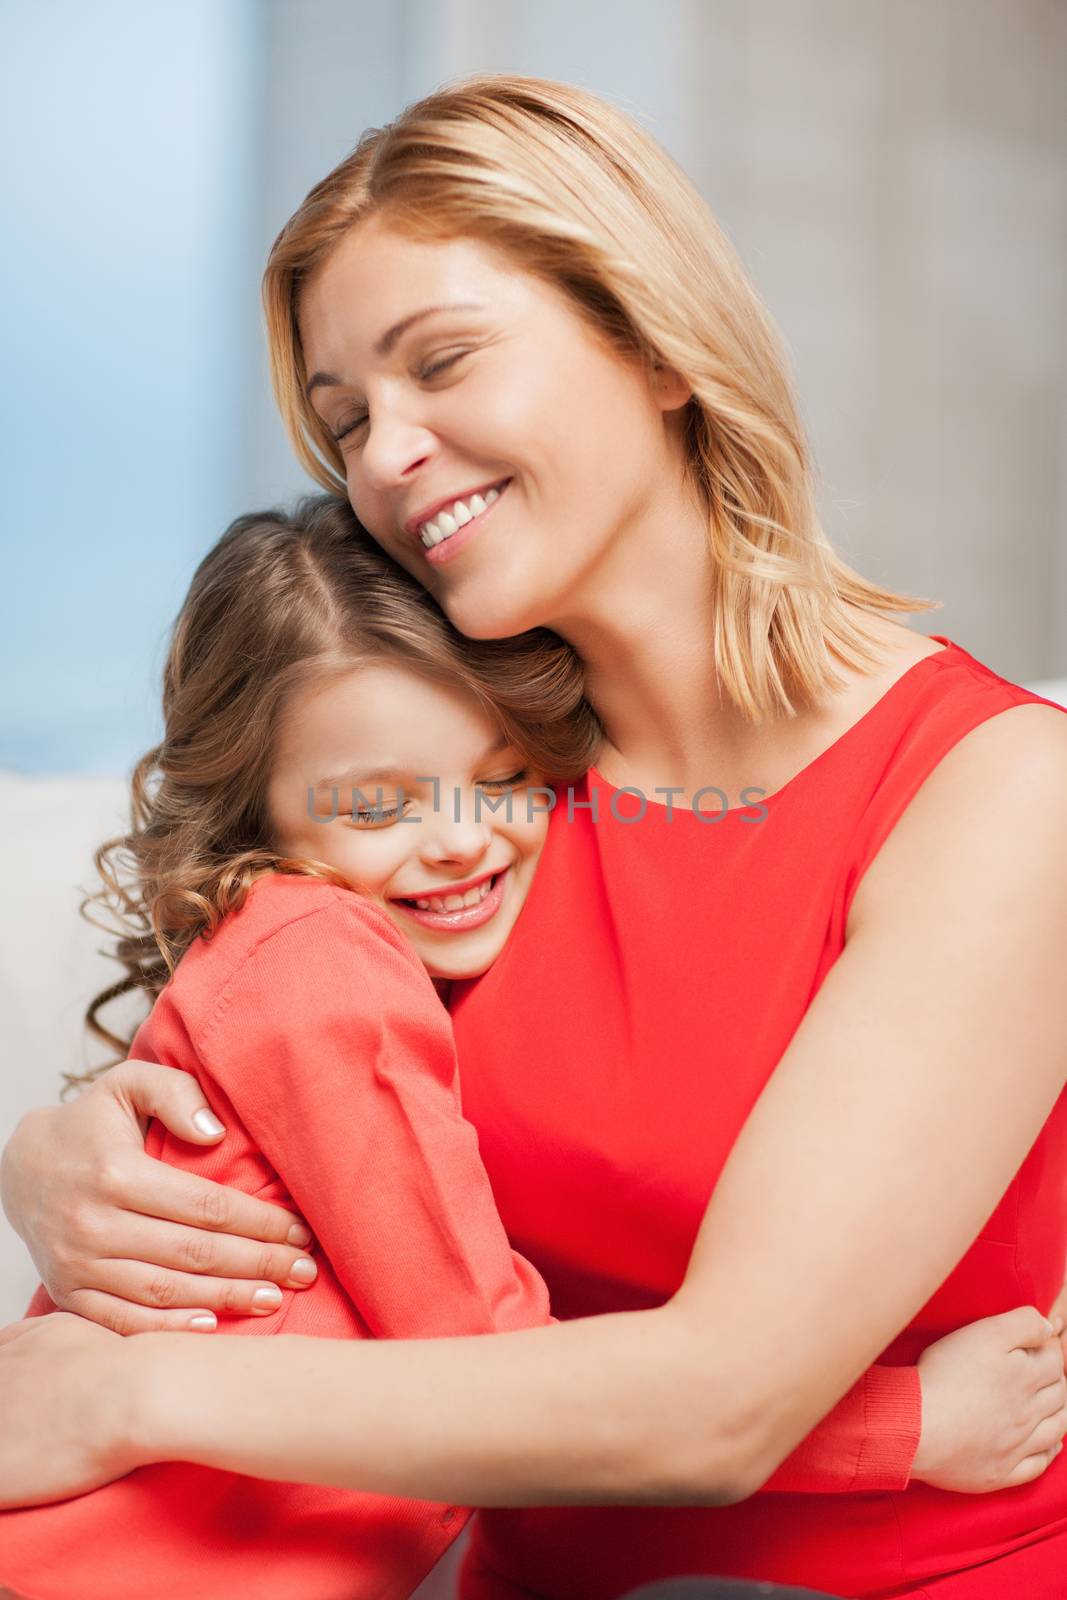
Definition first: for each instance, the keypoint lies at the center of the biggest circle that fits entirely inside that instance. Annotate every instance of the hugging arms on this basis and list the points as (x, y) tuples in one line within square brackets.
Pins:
[(752, 1349)]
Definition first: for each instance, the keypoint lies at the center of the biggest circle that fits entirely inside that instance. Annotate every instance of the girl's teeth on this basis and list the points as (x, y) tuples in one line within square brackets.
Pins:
[(477, 505), (456, 902)]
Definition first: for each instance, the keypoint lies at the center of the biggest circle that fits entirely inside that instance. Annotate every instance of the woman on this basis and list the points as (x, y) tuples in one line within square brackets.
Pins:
[(800, 1004)]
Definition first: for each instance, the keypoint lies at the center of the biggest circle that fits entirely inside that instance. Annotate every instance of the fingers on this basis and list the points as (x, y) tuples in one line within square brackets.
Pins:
[(1048, 1401), (173, 1096), (125, 1317), (1051, 1397), (1045, 1364), (1025, 1328), (1031, 1467), (162, 1289), (207, 1257), (159, 1190), (1047, 1435)]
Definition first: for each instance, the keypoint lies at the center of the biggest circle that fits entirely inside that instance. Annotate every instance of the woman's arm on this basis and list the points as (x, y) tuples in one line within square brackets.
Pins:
[(914, 1087), (82, 1166)]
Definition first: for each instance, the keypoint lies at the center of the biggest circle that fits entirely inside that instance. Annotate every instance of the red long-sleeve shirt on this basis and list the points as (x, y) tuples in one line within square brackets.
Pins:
[(321, 1044)]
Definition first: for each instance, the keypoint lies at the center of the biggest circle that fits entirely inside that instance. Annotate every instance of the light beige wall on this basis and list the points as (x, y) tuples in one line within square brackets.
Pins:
[(893, 173)]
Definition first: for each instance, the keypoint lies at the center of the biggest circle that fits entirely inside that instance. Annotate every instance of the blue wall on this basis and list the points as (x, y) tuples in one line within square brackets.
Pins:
[(128, 285)]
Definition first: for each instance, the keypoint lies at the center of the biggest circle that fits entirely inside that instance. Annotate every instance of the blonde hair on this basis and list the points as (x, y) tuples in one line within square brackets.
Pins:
[(577, 194), (283, 601)]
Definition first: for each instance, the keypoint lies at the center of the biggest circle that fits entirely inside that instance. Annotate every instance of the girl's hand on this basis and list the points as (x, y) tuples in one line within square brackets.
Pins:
[(128, 1241), (994, 1403), (1058, 1317), (64, 1410)]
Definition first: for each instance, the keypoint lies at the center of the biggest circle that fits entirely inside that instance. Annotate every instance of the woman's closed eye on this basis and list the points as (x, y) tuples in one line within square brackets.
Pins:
[(516, 781), (349, 424)]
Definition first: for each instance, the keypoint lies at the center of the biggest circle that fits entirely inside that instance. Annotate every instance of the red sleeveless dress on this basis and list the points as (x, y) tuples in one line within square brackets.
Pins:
[(609, 1059)]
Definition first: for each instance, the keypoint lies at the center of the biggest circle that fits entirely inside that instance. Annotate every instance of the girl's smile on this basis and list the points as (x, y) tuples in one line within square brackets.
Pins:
[(461, 906), (430, 814)]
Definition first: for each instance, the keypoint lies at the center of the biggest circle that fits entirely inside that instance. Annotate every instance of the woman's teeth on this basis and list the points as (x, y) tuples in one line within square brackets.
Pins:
[(456, 516), (456, 902)]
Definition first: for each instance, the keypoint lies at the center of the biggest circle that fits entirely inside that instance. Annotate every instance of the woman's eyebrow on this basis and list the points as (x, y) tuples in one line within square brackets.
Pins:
[(327, 380), (357, 778), (503, 743)]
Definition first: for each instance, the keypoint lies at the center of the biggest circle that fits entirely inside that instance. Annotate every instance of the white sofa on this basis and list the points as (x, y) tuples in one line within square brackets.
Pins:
[(51, 963)]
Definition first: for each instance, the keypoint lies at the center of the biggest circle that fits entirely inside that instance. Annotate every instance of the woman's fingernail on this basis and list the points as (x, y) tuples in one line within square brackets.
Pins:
[(299, 1235), (206, 1322), (207, 1122), (268, 1299), (304, 1271)]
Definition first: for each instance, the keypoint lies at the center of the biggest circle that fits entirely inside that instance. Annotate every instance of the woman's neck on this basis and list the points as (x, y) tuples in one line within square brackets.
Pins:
[(643, 625)]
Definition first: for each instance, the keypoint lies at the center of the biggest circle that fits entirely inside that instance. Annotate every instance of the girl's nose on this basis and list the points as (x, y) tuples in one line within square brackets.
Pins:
[(463, 839)]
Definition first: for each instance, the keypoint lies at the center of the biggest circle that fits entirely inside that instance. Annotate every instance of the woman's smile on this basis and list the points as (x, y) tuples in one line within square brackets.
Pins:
[(451, 530), (497, 382)]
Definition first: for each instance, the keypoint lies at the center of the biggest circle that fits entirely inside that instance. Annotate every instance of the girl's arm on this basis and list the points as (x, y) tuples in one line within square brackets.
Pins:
[(337, 1056), (909, 1096)]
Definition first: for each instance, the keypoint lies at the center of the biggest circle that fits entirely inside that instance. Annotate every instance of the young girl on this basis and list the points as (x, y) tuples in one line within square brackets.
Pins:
[(326, 732), (343, 808)]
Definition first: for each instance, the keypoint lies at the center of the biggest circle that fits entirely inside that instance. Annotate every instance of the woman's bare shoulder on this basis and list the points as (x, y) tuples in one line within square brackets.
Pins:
[(1017, 757), (996, 801)]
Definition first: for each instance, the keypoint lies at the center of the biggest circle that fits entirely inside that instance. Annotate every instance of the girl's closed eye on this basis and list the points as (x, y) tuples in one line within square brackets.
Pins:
[(376, 815)]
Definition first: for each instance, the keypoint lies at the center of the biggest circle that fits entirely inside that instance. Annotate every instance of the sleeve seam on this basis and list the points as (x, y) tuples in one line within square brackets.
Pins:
[(338, 905)]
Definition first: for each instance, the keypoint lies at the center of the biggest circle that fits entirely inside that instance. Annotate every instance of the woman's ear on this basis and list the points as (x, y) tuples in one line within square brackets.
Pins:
[(670, 389)]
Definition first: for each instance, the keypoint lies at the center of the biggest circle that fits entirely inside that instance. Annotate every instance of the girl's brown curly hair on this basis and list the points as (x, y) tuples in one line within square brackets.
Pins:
[(280, 601)]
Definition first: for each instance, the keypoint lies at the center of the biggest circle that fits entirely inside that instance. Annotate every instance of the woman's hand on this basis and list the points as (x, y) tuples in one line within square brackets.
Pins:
[(994, 1403), (64, 1410), (126, 1240)]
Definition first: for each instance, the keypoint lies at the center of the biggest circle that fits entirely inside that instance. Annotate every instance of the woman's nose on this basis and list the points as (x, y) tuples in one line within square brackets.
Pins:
[(394, 445)]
